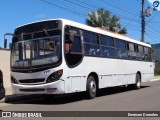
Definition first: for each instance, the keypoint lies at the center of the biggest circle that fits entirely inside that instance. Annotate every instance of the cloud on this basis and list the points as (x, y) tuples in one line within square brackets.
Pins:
[(41, 16)]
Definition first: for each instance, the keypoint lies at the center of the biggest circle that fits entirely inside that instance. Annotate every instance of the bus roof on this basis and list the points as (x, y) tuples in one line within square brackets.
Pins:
[(96, 30)]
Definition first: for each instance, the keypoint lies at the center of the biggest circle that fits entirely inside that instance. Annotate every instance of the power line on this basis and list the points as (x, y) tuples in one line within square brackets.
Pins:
[(127, 7), (130, 21), (78, 5), (88, 7), (107, 3), (86, 4), (61, 7), (151, 37), (153, 33), (72, 6), (154, 26), (123, 17), (152, 18), (154, 29)]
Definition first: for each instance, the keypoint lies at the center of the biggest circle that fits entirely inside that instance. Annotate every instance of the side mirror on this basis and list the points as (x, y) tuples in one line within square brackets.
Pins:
[(5, 40), (5, 43)]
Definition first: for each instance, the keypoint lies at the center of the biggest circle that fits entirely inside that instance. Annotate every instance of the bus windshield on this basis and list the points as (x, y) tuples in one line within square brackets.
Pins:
[(37, 52)]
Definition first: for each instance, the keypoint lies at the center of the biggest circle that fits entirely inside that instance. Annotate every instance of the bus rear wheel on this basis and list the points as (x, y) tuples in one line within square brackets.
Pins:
[(91, 87), (137, 85)]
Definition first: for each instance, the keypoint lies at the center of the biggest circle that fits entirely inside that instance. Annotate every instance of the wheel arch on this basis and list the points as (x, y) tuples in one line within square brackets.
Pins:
[(95, 75), (138, 72)]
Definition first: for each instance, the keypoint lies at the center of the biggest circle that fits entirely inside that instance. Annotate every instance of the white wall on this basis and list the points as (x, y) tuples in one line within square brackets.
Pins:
[(5, 67)]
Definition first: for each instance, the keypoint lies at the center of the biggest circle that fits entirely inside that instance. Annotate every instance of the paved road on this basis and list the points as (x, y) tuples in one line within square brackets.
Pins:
[(111, 99)]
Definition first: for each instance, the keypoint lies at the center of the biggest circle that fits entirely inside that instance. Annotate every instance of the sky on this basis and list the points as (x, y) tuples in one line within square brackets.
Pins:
[(14, 13)]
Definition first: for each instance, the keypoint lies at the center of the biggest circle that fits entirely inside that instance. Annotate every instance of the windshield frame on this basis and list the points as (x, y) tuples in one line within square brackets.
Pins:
[(38, 67)]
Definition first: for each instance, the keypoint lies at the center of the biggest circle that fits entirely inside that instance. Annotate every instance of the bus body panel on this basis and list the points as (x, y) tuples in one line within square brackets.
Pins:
[(114, 72)]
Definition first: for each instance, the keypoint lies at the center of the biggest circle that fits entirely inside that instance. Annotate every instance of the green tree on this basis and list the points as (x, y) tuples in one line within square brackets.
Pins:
[(103, 18)]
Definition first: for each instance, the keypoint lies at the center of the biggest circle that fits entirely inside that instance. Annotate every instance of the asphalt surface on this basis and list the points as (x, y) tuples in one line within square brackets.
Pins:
[(110, 99)]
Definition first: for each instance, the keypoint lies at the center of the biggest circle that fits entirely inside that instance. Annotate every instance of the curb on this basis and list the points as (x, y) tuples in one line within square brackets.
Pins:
[(155, 79)]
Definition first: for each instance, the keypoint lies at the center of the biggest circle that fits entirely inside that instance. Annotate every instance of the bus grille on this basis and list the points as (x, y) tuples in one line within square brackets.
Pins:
[(32, 80)]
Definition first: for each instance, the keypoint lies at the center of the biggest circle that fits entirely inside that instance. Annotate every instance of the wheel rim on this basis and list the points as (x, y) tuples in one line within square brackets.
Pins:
[(92, 88), (138, 82)]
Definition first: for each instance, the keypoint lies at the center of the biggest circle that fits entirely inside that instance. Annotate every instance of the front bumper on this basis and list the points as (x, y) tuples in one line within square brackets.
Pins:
[(48, 88)]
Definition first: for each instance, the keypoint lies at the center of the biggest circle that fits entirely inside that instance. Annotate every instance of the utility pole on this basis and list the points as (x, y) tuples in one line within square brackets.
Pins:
[(142, 22)]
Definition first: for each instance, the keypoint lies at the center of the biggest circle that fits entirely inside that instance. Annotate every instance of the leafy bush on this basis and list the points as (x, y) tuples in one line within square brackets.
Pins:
[(157, 71)]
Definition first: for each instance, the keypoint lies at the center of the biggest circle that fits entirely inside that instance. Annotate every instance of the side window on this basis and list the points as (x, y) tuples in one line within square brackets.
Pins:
[(108, 51), (121, 51), (73, 46), (107, 45), (140, 53), (90, 37), (91, 44), (132, 51), (140, 49), (76, 45), (131, 47), (150, 54), (120, 44), (107, 41), (147, 52)]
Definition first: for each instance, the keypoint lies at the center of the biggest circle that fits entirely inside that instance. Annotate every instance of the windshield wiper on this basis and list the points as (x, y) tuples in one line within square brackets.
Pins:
[(45, 31), (51, 39)]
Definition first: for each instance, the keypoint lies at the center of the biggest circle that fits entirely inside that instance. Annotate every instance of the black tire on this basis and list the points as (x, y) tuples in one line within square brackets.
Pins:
[(137, 85), (2, 94), (91, 87)]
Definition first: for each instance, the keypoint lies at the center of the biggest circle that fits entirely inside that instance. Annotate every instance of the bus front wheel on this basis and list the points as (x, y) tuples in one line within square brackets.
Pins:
[(91, 87)]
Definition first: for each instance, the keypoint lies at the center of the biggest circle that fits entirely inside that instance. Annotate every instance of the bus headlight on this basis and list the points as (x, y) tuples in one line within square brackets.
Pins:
[(13, 80), (54, 76)]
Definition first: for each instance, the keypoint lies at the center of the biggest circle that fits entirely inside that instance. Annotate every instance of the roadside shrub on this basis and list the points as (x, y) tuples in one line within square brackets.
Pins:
[(157, 71)]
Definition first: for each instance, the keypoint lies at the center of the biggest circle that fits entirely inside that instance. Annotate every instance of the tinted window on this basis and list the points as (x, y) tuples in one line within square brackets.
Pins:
[(120, 44), (131, 47), (76, 45), (131, 53), (73, 46), (140, 49), (90, 37), (146, 50), (121, 54), (140, 56), (108, 52), (107, 41), (93, 50), (71, 30), (150, 51)]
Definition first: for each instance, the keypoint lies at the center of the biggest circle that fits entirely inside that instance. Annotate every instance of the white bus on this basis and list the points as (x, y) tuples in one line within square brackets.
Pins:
[(60, 56)]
